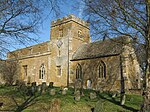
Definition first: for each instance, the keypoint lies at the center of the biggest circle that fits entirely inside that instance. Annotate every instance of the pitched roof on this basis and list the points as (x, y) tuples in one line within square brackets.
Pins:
[(98, 49)]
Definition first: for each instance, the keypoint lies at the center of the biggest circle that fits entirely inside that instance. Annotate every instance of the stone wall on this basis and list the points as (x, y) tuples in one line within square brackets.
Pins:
[(65, 40), (69, 32), (89, 71), (67, 35), (29, 51), (127, 60)]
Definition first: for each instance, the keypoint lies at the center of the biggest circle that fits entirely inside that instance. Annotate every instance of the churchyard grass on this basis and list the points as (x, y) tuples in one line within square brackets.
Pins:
[(68, 104)]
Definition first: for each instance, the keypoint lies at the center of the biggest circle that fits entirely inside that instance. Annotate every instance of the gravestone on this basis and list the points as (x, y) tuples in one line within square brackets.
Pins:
[(44, 87), (33, 84), (77, 95), (23, 88), (89, 84), (52, 92), (29, 91), (39, 88), (64, 92), (115, 94), (28, 84), (123, 99), (33, 87), (51, 84), (93, 95)]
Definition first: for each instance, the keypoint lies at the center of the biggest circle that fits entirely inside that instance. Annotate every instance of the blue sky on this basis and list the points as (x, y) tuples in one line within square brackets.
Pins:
[(67, 8)]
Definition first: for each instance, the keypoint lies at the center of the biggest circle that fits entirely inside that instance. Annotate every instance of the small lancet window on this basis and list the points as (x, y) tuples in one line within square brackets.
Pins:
[(59, 70), (101, 70), (25, 70), (79, 72), (42, 72)]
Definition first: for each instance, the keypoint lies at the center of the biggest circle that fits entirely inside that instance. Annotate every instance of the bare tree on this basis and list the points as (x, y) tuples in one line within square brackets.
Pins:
[(9, 71), (124, 17), (20, 19)]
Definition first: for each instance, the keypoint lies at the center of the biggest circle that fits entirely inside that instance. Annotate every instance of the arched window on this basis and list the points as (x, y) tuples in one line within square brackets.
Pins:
[(42, 72), (79, 72), (101, 70)]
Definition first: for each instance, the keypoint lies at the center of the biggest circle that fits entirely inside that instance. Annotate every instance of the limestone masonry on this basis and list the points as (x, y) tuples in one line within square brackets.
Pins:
[(70, 58)]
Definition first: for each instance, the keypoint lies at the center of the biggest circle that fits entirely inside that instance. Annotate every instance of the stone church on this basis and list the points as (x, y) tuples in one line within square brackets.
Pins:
[(70, 57)]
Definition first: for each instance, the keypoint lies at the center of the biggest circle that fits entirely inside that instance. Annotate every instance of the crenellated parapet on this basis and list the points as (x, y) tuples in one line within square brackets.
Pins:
[(70, 18)]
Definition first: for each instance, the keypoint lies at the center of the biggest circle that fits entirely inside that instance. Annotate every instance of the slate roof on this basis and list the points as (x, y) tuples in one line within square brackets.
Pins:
[(108, 47)]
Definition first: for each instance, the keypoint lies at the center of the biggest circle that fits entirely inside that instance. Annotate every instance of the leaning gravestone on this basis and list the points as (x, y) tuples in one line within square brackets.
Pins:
[(52, 92), (115, 94), (93, 95), (77, 95), (123, 98)]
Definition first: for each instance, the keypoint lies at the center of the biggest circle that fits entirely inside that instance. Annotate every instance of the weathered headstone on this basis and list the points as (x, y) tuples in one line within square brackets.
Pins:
[(52, 92), (114, 95), (23, 88), (51, 84), (39, 88), (43, 87), (92, 95), (28, 84), (77, 95), (64, 92), (123, 98), (29, 91), (33, 87), (89, 84)]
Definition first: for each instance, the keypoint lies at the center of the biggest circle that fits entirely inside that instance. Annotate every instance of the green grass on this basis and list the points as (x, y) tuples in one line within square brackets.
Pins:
[(68, 104)]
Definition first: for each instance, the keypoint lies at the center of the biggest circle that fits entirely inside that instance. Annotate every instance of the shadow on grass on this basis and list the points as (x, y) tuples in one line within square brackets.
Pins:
[(113, 100)]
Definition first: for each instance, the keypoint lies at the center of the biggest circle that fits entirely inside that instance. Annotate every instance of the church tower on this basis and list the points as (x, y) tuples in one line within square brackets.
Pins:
[(66, 36)]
